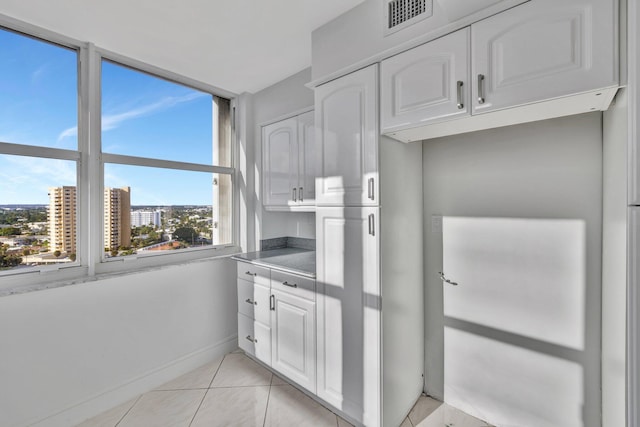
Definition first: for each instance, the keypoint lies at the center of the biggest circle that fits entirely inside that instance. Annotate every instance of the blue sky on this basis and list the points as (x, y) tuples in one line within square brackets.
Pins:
[(141, 116)]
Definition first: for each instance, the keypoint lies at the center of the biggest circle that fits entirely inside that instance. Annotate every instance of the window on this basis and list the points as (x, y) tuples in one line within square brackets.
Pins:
[(38, 153), (167, 157), (157, 177)]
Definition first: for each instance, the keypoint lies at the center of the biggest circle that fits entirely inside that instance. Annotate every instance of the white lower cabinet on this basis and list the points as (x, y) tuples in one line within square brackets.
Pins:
[(277, 321), (293, 349)]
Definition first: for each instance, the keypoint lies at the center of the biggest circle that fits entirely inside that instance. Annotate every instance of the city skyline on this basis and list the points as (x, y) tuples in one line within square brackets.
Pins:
[(142, 116)]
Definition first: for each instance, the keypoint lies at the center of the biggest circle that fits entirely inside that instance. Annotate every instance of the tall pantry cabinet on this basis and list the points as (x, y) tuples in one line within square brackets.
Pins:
[(370, 328)]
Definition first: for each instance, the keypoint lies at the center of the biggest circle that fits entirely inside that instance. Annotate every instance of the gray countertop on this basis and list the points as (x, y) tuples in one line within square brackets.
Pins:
[(289, 260)]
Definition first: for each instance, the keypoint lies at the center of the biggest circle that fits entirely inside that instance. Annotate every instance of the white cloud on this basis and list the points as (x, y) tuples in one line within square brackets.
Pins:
[(112, 121)]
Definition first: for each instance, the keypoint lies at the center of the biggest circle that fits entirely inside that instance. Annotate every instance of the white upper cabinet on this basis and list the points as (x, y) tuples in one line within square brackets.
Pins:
[(347, 128), (307, 152), (543, 50), (280, 162), (288, 159), (428, 83)]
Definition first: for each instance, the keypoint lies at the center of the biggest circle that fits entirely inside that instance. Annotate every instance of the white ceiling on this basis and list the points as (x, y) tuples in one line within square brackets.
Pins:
[(237, 45)]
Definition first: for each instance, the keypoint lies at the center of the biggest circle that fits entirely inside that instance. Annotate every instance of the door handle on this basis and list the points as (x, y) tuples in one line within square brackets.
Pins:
[(301, 195), (444, 279), (273, 303), (460, 104), (370, 188), (480, 88), (295, 198)]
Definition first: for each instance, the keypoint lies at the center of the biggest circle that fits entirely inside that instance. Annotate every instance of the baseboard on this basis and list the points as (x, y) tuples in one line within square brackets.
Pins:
[(115, 396)]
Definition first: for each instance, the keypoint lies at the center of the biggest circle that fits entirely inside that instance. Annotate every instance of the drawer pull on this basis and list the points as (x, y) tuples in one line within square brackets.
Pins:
[(248, 301), (291, 285), (272, 299), (481, 89), (253, 340), (460, 104), (250, 273)]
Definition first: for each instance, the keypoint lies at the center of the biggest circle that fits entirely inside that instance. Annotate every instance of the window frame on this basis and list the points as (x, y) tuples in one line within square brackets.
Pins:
[(90, 172)]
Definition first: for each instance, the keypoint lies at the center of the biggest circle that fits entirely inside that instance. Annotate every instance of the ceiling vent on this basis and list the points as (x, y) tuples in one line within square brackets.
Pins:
[(402, 13)]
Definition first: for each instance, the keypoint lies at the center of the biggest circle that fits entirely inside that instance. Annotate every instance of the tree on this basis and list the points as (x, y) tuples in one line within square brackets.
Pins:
[(185, 234), (57, 253), (9, 231), (72, 257)]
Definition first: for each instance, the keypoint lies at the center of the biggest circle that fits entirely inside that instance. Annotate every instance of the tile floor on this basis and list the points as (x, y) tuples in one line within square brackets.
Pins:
[(236, 391)]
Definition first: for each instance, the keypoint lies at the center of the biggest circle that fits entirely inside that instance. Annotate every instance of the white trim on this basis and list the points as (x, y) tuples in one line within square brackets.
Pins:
[(36, 151), (121, 393), (162, 73), (41, 33), (164, 164)]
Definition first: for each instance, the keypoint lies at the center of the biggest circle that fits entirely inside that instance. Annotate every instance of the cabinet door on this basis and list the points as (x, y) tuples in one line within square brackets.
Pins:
[(426, 84), (540, 51), (307, 153), (346, 119), (348, 311), (280, 162), (294, 339)]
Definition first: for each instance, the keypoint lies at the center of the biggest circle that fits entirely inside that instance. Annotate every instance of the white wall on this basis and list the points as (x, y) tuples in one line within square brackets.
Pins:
[(283, 98), (549, 169), (69, 353)]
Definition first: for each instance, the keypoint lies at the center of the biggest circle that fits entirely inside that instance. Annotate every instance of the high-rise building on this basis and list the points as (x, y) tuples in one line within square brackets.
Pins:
[(140, 218), (62, 219), (117, 217)]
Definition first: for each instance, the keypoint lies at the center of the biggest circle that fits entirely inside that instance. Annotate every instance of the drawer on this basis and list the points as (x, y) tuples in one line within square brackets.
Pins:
[(254, 338), (246, 301), (295, 285), (253, 273)]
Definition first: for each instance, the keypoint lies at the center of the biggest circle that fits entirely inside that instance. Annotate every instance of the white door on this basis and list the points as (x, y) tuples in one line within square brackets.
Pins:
[(514, 319), (307, 155), (348, 310), (294, 339), (346, 119), (280, 162), (535, 52), (426, 84)]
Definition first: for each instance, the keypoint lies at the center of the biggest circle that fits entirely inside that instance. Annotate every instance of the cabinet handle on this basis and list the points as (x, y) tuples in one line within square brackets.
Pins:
[(273, 303), (250, 273), (291, 285), (370, 188), (253, 340), (480, 88), (372, 225), (248, 301), (444, 279), (301, 199), (295, 198), (460, 104)]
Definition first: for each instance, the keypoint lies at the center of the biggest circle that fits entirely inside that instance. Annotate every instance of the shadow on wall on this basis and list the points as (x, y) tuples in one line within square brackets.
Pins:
[(514, 320)]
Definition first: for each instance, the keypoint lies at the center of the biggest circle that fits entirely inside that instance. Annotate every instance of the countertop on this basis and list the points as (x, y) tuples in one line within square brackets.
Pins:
[(289, 260)]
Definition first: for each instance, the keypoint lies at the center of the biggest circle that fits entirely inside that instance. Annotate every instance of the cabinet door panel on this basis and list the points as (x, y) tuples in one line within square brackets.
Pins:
[(246, 334), (421, 85), (348, 311), (262, 313), (294, 346), (280, 162), (262, 335), (346, 119), (532, 53), (307, 154), (246, 300)]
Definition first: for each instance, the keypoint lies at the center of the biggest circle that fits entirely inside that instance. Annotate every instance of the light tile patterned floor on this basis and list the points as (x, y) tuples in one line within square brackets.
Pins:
[(236, 391)]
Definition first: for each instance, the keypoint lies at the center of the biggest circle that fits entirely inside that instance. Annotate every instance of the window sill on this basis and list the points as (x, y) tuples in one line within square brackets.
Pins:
[(37, 280)]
